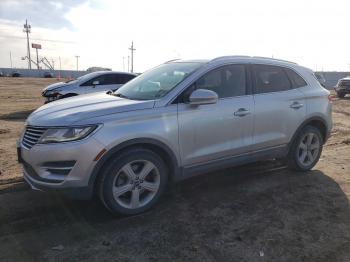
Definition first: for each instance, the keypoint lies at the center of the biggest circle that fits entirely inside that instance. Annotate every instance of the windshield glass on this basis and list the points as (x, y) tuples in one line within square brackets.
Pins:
[(157, 82)]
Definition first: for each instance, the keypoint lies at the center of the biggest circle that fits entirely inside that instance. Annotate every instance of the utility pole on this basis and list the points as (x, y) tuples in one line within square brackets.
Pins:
[(11, 59), (77, 62), (123, 63), (132, 49), (26, 29)]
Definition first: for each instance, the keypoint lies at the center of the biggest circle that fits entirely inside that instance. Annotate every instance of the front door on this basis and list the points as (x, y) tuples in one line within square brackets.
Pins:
[(216, 131)]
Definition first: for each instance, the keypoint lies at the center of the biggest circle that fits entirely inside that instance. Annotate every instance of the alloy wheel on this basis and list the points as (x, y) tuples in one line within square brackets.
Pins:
[(308, 149), (136, 184)]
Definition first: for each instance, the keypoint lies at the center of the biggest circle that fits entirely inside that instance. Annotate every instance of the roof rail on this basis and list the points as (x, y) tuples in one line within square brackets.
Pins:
[(229, 56), (172, 60), (258, 57), (274, 59)]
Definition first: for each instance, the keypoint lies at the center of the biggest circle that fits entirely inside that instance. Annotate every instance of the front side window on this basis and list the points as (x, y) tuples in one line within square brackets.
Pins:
[(102, 80), (157, 82), (270, 79), (226, 81)]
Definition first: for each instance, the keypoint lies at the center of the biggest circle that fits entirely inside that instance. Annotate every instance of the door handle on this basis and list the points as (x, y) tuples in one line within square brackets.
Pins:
[(242, 112), (296, 105)]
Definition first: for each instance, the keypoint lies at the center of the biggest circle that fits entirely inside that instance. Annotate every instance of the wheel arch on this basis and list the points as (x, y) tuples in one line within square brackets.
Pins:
[(156, 146), (315, 121)]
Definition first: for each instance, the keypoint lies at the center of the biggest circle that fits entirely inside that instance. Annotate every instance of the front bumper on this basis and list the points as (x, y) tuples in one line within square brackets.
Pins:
[(63, 167), (344, 90)]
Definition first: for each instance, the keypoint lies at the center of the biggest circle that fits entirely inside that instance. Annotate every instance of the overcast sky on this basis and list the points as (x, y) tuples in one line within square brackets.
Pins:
[(312, 33)]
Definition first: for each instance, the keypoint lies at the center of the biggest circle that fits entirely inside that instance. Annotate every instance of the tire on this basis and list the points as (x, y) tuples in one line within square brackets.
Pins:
[(125, 189), (306, 149), (341, 95)]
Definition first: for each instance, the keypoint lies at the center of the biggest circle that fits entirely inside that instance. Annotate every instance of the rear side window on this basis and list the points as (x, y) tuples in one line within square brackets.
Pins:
[(110, 79), (270, 79), (226, 81), (117, 79), (296, 79)]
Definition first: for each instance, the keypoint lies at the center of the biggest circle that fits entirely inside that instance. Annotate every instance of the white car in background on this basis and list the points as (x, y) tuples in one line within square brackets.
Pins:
[(89, 83)]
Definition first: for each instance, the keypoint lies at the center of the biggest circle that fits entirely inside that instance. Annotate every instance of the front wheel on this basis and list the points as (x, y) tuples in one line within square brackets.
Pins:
[(306, 149), (133, 182)]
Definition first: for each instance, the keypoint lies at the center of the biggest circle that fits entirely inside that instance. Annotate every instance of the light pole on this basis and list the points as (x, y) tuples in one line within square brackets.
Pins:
[(26, 29), (132, 49), (77, 57)]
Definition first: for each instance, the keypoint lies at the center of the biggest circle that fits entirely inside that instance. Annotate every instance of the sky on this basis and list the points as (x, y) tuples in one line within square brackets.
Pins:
[(315, 34)]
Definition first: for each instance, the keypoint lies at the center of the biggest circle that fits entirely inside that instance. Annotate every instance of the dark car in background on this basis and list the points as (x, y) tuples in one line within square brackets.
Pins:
[(48, 75), (15, 74), (343, 87)]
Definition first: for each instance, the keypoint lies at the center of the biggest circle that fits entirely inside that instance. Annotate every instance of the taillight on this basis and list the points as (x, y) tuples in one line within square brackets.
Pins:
[(330, 98)]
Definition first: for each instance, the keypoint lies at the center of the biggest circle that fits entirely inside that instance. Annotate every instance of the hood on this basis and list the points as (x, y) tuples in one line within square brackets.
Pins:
[(67, 111), (55, 85)]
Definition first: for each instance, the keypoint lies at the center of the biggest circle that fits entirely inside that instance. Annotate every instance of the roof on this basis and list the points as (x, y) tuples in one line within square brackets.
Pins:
[(252, 59)]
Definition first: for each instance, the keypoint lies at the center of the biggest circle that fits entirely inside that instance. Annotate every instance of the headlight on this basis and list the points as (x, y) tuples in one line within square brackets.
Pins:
[(53, 92), (66, 134)]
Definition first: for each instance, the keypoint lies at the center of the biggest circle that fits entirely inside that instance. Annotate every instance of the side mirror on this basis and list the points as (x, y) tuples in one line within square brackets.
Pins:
[(95, 83), (203, 97)]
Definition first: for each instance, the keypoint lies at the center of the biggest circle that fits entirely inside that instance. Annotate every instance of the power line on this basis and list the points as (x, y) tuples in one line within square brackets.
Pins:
[(38, 39)]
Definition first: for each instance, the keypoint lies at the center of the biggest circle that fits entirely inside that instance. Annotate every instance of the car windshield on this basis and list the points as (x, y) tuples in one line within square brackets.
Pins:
[(157, 82)]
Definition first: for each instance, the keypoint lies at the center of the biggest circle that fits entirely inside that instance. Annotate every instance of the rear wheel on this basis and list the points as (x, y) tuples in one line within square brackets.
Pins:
[(306, 149), (133, 182)]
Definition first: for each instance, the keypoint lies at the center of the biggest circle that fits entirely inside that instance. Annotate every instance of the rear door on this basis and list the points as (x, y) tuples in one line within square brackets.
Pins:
[(216, 131), (279, 106)]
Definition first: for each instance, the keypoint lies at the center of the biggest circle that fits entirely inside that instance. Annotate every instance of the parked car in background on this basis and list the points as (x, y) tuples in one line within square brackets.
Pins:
[(48, 75), (89, 83), (177, 120), (15, 74), (1, 74), (343, 87)]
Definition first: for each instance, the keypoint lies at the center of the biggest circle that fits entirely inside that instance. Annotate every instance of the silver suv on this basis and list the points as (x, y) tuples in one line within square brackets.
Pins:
[(177, 120)]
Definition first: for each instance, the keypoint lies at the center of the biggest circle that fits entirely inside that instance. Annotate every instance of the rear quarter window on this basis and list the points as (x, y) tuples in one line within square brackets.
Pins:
[(295, 78)]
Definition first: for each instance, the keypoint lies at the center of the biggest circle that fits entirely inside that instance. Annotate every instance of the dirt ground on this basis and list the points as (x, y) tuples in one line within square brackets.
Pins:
[(260, 212)]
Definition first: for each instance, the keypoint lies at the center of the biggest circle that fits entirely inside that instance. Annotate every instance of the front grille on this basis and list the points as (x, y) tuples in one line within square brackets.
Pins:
[(32, 136)]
